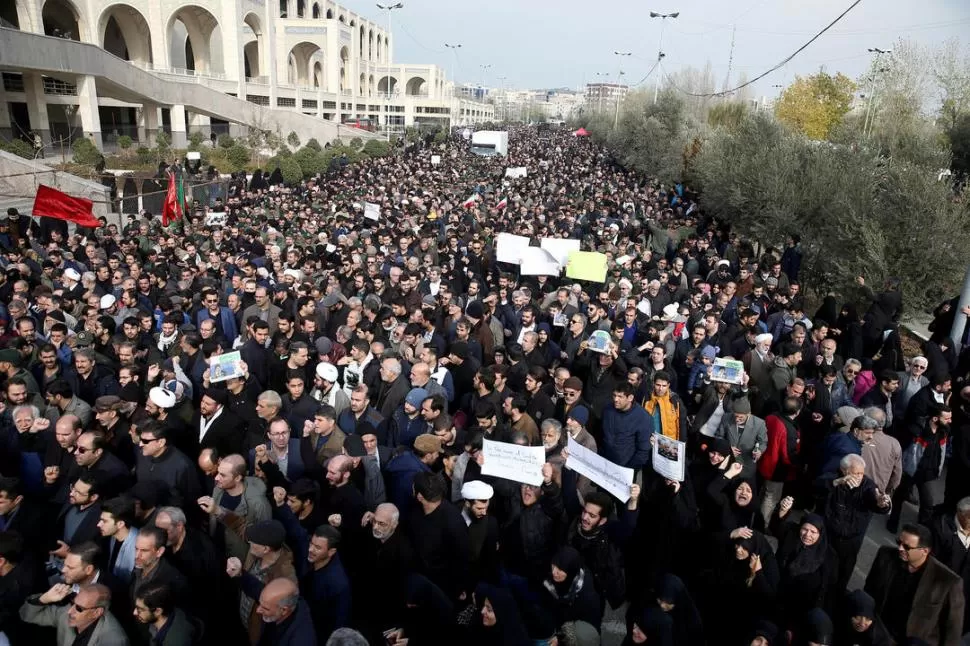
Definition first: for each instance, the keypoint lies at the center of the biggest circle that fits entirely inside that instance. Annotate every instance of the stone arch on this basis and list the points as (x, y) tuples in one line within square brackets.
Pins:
[(363, 37), (195, 40), (362, 84), (15, 15), (318, 77), (370, 85), (342, 18), (370, 44), (387, 85), (124, 31), (329, 14), (301, 8), (344, 59), (353, 23), (300, 63), (380, 46), (315, 11), (252, 49), (416, 86), (61, 18)]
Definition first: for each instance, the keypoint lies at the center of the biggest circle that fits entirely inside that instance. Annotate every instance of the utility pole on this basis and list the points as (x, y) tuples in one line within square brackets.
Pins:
[(616, 90), (866, 125), (387, 69), (660, 47), (959, 318), (727, 79)]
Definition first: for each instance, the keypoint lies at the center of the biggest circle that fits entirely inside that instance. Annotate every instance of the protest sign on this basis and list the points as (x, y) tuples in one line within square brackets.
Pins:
[(215, 219), (538, 262), (435, 160), (225, 366), (513, 462), (508, 248), (372, 211), (611, 477), (516, 172), (599, 341), (587, 265), (669, 457), (727, 370), (559, 248)]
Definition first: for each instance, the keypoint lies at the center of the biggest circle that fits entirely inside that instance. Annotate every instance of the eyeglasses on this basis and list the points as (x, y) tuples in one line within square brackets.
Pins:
[(80, 608), (146, 440), (82, 449), (851, 372), (909, 548)]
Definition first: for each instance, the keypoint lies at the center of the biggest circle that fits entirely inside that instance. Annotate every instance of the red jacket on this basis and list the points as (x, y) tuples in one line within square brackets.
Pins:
[(776, 464)]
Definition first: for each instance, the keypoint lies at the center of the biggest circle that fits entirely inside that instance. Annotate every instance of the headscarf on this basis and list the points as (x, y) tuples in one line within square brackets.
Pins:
[(795, 558), (688, 626), (655, 624), (858, 603), (569, 561), (509, 628), (817, 629)]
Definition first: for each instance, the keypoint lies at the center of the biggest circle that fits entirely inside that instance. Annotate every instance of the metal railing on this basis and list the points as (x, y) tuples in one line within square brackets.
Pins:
[(58, 87)]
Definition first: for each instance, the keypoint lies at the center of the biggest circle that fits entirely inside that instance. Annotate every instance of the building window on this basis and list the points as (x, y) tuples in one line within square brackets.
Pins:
[(13, 82), (329, 105), (258, 99), (285, 102), (310, 103)]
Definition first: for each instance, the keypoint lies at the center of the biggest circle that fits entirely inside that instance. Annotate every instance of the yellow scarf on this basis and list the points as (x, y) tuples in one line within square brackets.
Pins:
[(669, 417)]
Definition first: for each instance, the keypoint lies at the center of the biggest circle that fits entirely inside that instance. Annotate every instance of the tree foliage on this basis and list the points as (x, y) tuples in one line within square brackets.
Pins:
[(856, 214), (650, 136), (238, 157), (726, 115), (291, 171), (293, 140), (85, 152), (813, 105)]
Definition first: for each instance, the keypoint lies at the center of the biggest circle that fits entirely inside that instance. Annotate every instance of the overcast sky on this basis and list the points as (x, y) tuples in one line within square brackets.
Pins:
[(540, 43)]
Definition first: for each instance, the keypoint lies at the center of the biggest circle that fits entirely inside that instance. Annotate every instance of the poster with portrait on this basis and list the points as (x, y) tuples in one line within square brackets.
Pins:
[(599, 341), (727, 370), (669, 457), (225, 366)]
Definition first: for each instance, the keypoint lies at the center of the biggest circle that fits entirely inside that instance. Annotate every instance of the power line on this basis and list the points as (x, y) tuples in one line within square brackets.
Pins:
[(783, 62), (640, 82)]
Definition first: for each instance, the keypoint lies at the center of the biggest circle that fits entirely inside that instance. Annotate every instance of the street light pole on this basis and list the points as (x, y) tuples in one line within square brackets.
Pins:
[(660, 47), (387, 66), (616, 90), (866, 125)]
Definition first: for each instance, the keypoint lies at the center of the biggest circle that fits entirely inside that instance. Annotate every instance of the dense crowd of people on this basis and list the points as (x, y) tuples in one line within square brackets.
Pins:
[(327, 486)]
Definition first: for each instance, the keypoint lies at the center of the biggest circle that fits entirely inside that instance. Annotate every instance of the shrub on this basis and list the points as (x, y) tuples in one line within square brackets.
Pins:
[(144, 154), (314, 145), (85, 152), (292, 173), (293, 140), (376, 148), (356, 143), (311, 162), (238, 157), (18, 147), (225, 141), (125, 142), (196, 139)]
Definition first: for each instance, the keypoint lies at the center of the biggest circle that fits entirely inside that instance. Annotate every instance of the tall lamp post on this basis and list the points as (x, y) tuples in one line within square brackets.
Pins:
[(660, 47), (870, 115), (387, 64), (616, 90)]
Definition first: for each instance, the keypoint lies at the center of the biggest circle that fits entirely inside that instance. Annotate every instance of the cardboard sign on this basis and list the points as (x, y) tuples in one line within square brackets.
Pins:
[(215, 219), (727, 370), (538, 262), (225, 366), (372, 211), (435, 160), (560, 249), (587, 265), (516, 172), (513, 462), (611, 477), (509, 248)]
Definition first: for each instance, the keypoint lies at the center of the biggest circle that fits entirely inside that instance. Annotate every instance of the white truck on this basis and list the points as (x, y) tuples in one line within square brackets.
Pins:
[(487, 143)]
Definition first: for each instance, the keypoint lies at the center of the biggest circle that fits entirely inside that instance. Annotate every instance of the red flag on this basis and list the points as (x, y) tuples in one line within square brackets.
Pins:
[(170, 210), (504, 203), (52, 203)]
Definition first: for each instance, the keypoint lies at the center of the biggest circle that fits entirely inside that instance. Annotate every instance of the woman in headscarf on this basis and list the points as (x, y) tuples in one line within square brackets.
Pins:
[(570, 593), (815, 629), (736, 498), (675, 600), (808, 567), (651, 626), (498, 620), (858, 624), (745, 588), (429, 616), (848, 332), (711, 464)]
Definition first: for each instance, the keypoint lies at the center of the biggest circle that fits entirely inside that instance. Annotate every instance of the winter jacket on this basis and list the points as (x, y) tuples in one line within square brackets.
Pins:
[(626, 436), (848, 510), (399, 476), (837, 446), (923, 459), (253, 507), (778, 463)]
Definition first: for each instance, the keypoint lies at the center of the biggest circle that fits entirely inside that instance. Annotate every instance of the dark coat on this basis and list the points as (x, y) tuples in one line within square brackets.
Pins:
[(937, 613), (225, 435)]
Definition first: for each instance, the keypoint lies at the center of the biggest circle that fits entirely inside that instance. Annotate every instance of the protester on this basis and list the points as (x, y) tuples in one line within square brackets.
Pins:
[(393, 450)]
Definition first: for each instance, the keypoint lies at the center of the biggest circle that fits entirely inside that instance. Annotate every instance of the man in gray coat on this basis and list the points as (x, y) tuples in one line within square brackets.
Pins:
[(87, 612), (236, 504), (263, 309), (747, 435)]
